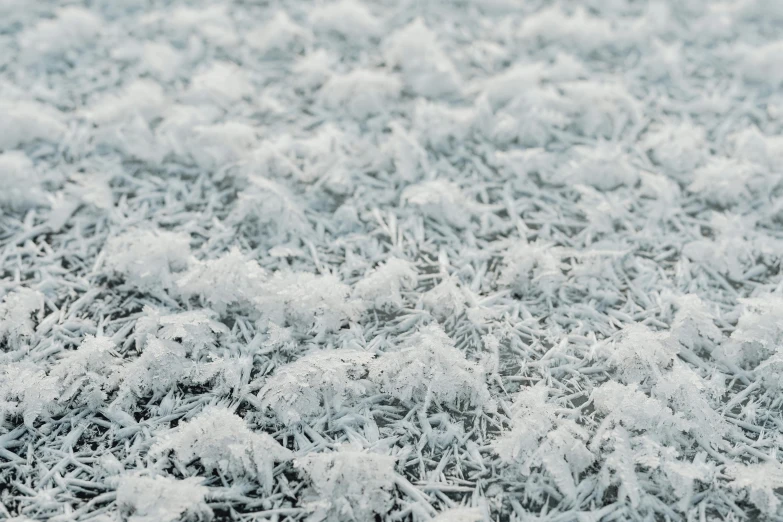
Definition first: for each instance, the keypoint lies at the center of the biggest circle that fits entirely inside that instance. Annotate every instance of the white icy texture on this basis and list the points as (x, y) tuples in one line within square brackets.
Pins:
[(453, 260)]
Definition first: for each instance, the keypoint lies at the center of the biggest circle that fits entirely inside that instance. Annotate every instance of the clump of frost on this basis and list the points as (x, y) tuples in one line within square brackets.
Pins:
[(578, 31), (231, 279), (686, 392), (196, 329), (25, 391), (534, 417), (160, 367), (626, 405), (306, 302), (445, 300), (147, 258), (735, 247), (640, 354), (361, 92), (761, 482), (86, 375), (442, 127), (162, 499), (212, 23), (600, 109), (22, 187), (347, 18), (499, 89), (91, 189), (532, 118), (678, 148), (25, 121), (760, 64), (425, 67), (440, 200), (349, 484), (223, 83), (280, 35), (271, 206), (759, 332), (161, 60), (693, 325), (73, 28), (540, 438), (751, 145), (142, 97), (405, 157), (722, 182), (313, 69), (17, 312), (319, 382), (431, 369), (532, 268), (221, 440), (219, 144), (382, 287), (605, 167)]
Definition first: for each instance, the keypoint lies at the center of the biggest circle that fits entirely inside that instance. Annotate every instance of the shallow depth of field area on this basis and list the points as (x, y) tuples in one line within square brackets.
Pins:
[(390, 260)]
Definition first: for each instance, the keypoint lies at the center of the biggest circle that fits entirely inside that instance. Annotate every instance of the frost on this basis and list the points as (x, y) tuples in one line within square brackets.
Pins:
[(223, 83), (147, 259), (26, 121), (429, 368), (271, 205), (759, 64), (306, 302), (579, 31), (723, 183), (528, 268), (759, 331), (441, 126), (143, 97), (87, 374), (162, 60), (280, 35), (221, 143), (26, 392), (221, 440), (162, 499), (440, 200), (73, 28), (600, 110), (22, 184), (231, 279), (426, 69), (760, 481), (347, 18), (445, 300), (540, 438), (196, 330), (604, 168), (318, 382), (458, 260), (361, 92), (640, 355), (17, 312), (460, 515), (350, 484), (383, 285), (678, 148), (627, 406)]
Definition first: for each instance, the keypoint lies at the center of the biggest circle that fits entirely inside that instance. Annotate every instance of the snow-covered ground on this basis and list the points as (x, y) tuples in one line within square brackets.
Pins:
[(383, 260)]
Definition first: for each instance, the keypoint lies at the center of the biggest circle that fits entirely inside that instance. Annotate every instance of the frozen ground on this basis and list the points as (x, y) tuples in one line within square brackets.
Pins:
[(391, 260)]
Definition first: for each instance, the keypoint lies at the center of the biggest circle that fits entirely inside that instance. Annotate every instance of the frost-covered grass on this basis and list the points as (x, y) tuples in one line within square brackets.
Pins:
[(359, 260)]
